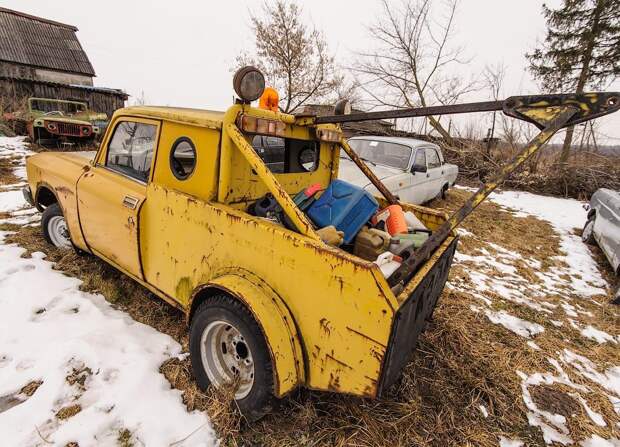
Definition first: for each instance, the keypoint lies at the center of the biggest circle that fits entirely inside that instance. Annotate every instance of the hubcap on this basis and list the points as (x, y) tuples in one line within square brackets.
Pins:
[(226, 357), (58, 231)]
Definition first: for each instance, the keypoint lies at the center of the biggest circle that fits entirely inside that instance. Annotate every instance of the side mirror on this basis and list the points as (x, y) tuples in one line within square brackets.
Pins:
[(418, 168)]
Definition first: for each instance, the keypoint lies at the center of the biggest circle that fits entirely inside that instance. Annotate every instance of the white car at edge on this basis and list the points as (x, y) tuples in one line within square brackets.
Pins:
[(414, 170)]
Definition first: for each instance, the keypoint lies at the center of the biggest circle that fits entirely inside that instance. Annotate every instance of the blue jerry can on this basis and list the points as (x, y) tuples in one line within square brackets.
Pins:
[(345, 206)]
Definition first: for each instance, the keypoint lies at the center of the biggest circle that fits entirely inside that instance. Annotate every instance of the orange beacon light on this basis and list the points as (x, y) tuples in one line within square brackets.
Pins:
[(269, 100)]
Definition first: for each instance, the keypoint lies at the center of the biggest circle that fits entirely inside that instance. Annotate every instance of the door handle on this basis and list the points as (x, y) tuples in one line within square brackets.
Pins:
[(130, 202), (428, 175)]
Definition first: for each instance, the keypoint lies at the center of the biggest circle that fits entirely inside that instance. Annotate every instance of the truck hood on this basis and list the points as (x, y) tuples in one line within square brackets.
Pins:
[(80, 158), (349, 172), (64, 119)]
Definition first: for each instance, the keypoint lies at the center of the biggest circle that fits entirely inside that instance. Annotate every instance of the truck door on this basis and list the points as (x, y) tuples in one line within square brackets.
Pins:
[(112, 192)]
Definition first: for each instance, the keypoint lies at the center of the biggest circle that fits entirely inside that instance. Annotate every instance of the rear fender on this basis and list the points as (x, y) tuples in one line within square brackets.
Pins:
[(275, 321)]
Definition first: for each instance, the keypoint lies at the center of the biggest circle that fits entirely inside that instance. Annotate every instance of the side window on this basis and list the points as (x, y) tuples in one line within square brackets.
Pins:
[(131, 148), (419, 162), (183, 158), (432, 158), (287, 155), (272, 151)]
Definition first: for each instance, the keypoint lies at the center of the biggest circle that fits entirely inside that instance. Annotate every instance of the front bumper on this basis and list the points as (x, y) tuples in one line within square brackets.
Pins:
[(28, 195), (410, 319)]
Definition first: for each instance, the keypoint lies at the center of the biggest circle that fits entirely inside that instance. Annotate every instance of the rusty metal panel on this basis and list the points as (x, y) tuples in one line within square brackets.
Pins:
[(342, 309)]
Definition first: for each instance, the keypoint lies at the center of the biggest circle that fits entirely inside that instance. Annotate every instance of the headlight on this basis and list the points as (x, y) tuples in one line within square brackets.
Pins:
[(38, 123), (95, 129), (249, 83), (261, 126)]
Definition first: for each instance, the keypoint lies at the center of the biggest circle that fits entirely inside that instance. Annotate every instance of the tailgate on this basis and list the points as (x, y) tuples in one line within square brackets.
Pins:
[(418, 300)]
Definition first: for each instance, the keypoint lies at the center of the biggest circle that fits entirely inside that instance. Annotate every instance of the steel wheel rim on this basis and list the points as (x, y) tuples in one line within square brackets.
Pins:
[(58, 231), (226, 356), (587, 231)]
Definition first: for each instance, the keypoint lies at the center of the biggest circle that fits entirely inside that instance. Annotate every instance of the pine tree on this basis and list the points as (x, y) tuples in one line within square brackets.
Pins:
[(581, 50)]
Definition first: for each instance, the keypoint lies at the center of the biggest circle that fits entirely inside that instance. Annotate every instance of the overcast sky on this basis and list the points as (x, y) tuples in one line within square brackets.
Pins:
[(180, 52)]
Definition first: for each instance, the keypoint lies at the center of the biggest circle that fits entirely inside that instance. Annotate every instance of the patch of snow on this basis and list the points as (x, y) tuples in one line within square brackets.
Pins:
[(569, 309), (597, 441), (12, 201), (610, 379), (464, 232), (483, 410), (506, 442), (564, 215), (556, 323), (520, 327), (533, 345), (597, 335), (597, 418), (50, 329)]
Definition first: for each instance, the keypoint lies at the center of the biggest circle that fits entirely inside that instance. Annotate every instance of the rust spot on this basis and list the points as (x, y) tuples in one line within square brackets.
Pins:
[(64, 190), (326, 326)]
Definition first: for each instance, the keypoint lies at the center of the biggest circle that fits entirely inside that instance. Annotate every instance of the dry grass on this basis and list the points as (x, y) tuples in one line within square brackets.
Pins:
[(125, 438), (31, 388), (68, 411), (7, 165), (462, 360)]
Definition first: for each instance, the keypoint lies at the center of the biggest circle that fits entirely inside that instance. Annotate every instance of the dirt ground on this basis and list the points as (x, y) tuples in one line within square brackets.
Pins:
[(471, 381)]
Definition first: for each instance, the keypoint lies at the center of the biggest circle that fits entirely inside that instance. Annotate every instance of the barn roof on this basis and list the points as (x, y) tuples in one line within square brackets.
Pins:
[(38, 42)]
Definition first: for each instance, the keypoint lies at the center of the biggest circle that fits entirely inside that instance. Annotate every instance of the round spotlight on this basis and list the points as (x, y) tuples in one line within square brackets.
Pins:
[(249, 83), (342, 107)]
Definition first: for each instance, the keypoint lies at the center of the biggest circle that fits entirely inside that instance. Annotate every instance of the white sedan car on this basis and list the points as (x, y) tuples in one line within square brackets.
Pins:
[(414, 170)]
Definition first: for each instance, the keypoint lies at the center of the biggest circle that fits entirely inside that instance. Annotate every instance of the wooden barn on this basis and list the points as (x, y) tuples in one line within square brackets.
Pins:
[(44, 58)]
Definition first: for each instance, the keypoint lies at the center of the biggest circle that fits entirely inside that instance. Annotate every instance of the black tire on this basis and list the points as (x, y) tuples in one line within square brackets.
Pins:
[(260, 399), (587, 235), (51, 211)]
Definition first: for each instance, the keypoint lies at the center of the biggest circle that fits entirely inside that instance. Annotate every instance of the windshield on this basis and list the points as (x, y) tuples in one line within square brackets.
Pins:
[(382, 152), (57, 107)]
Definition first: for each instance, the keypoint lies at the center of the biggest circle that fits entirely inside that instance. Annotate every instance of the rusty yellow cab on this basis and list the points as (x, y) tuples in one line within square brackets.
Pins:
[(165, 199)]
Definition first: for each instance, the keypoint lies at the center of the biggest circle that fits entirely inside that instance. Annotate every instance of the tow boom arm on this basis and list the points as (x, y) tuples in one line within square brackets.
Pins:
[(549, 113)]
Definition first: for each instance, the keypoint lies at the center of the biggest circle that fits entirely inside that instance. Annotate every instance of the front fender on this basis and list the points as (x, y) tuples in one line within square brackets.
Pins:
[(276, 323)]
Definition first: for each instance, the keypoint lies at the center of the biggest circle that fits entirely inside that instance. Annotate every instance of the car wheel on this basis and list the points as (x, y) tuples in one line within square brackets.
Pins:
[(55, 228), (587, 235), (226, 344)]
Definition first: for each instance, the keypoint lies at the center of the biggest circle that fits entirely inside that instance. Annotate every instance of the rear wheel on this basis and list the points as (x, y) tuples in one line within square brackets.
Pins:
[(227, 345), (587, 235), (442, 194), (54, 227)]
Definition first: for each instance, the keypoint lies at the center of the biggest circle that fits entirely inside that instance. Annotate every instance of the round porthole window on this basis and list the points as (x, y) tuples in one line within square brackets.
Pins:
[(183, 158), (308, 158)]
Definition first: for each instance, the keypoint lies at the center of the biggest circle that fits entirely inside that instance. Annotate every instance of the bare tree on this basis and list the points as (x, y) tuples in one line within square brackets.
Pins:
[(411, 62), (494, 80), (294, 58)]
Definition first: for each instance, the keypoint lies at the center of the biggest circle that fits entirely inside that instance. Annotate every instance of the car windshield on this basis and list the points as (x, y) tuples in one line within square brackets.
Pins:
[(57, 107), (382, 152)]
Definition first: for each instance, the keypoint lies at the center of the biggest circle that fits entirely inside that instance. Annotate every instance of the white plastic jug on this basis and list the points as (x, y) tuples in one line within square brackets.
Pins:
[(387, 263), (413, 223)]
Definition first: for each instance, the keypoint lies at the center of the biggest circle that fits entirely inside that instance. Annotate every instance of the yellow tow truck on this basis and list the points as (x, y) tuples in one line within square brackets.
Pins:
[(165, 200)]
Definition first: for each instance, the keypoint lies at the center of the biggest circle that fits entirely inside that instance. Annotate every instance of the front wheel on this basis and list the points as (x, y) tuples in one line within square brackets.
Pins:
[(54, 227), (587, 235), (226, 345)]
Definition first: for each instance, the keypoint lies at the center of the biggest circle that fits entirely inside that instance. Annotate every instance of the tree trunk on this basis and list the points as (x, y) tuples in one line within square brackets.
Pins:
[(443, 132), (583, 75)]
